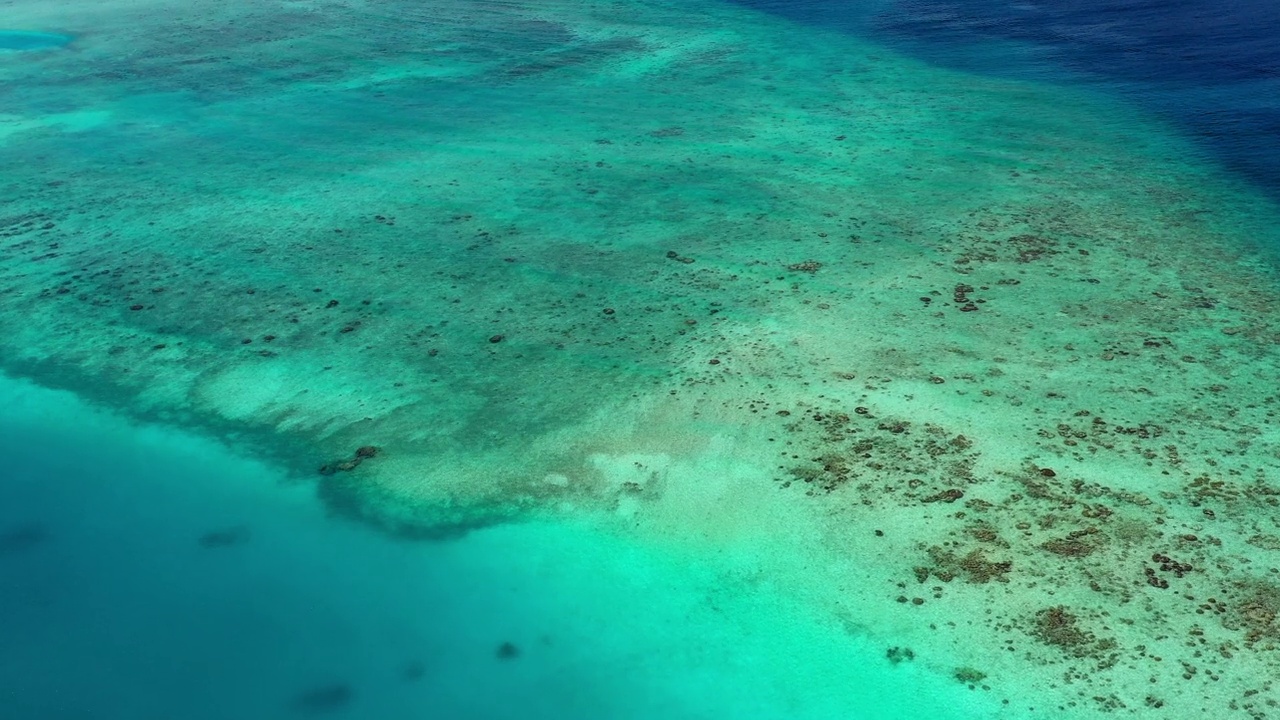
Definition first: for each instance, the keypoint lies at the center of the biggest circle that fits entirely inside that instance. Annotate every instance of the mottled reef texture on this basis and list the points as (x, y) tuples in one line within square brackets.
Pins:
[(990, 362)]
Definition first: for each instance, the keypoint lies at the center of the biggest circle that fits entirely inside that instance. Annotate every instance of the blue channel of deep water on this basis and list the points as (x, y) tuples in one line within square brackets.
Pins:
[(1211, 67)]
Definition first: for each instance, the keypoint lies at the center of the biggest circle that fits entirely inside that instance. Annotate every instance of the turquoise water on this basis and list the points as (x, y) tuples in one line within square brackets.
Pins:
[(150, 574), (620, 359), (27, 40)]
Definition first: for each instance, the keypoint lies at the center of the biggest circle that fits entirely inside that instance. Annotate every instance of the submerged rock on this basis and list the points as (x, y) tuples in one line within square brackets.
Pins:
[(224, 538), (507, 651), (22, 538), (326, 698), (364, 452), (808, 266), (413, 671)]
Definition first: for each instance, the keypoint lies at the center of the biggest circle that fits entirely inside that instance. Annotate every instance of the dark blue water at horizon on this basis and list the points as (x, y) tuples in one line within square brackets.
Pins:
[(1212, 68)]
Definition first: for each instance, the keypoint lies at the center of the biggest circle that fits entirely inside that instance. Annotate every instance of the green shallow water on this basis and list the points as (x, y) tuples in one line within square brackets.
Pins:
[(637, 265)]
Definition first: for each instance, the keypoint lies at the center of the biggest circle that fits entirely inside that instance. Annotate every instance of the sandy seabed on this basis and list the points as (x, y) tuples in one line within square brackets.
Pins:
[(983, 366)]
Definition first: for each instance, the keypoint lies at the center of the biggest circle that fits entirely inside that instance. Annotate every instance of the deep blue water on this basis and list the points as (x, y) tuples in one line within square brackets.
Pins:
[(1211, 67)]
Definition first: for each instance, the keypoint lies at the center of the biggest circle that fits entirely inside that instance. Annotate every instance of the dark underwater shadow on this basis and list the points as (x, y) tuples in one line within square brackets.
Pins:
[(227, 537), (21, 538), (327, 698)]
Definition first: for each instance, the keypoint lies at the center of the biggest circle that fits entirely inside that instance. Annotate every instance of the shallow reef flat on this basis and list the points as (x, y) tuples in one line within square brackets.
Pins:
[(985, 365)]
